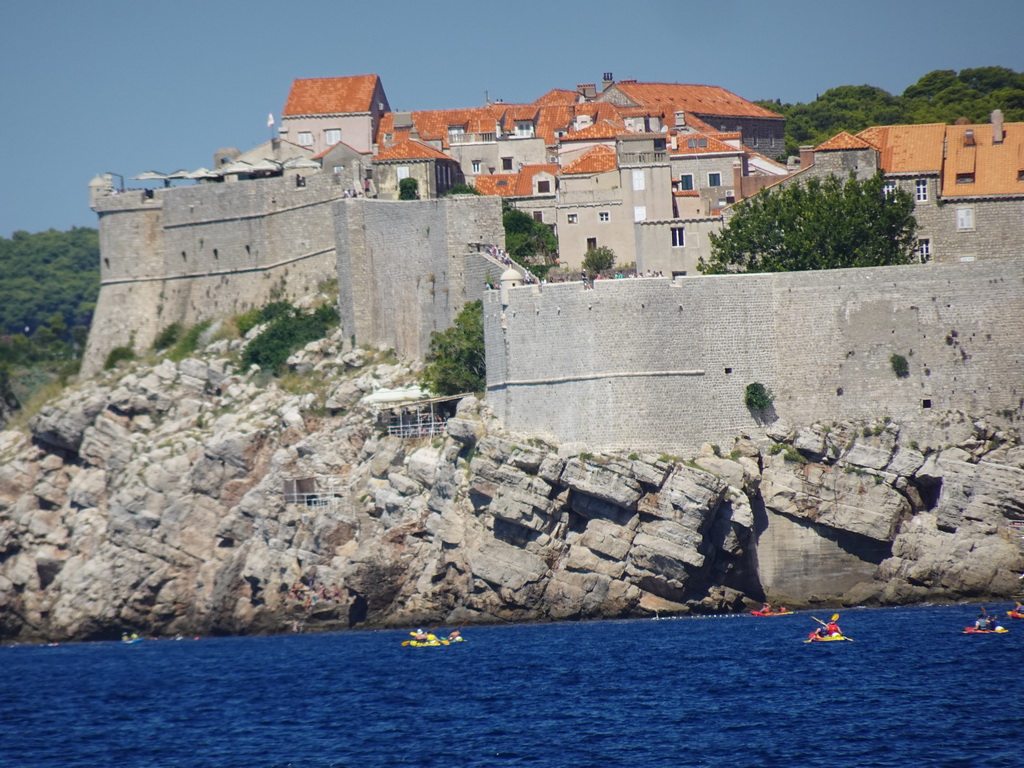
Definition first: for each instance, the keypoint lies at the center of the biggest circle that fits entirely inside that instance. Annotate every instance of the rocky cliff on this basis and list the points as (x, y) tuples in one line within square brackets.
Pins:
[(190, 498)]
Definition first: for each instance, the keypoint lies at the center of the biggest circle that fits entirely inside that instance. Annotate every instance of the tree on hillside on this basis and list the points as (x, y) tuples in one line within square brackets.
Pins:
[(456, 361), (823, 224), (940, 96)]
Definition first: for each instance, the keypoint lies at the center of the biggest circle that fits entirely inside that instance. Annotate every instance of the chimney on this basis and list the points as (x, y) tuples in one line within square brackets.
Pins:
[(607, 81), (806, 156), (969, 137), (588, 91), (997, 126), (737, 178)]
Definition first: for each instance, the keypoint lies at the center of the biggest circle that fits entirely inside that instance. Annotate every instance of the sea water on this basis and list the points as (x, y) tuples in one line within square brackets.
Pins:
[(910, 690)]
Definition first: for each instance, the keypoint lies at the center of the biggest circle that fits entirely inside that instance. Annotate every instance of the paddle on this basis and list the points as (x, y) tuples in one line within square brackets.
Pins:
[(835, 617)]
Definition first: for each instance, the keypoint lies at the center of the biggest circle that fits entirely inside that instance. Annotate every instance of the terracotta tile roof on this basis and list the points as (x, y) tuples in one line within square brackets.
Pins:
[(605, 129), (699, 99), (841, 141), (713, 145), (513, 184), (599, 159), (410, 150), (552, 118), (686, 193), (557, 96), (695, 123), (908, 148), (996, 168), (331, 95)]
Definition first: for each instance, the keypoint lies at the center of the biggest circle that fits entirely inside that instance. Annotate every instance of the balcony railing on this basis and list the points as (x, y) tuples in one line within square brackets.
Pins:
[(470, 138), (642, 158)]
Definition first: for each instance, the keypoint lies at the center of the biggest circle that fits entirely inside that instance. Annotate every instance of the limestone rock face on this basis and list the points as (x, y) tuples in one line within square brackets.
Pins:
[(188, 497)]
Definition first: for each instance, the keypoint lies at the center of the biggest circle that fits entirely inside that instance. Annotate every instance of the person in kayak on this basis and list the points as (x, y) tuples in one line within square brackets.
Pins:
[(420, 635), (766, 608), (832, 628), (454, 634), (983, 622)]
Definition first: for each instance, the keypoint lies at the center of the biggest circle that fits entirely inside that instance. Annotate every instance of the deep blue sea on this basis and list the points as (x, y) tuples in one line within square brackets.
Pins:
[(728, 692)]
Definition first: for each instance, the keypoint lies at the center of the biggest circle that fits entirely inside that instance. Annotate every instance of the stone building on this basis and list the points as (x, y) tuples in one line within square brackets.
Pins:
[(322, 111), (967, 181), (434, 171)]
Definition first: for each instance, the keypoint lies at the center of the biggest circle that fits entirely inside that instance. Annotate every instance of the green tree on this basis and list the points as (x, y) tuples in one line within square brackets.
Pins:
[(461, 189), (598, 259), (456, 361), (823, 224), (408, 189), (527, 239)]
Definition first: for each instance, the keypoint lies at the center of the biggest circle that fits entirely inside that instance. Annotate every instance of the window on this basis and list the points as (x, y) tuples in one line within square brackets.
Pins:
[(695, 143), (524, 129), (686, 182), (332, 136), (921, 190), (604, 216), (402, 172), (924, 250), (678, 237), (965, 219), (538, 216), (714, 179), (506, 163), (476, 166), (591, 243), (638, 180), (543, 187), (965, 178), (573, 218), (338, 168), (889, 188), (639, 213), (305, 139)]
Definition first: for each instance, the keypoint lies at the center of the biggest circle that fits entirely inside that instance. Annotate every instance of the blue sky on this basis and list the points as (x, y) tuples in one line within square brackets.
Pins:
[(126, 86)]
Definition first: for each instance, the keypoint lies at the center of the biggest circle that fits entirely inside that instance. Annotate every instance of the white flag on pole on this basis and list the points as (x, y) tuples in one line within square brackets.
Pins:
[(270, 120)]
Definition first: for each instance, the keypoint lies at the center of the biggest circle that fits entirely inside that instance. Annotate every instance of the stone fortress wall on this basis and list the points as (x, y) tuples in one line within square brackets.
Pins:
[(188, 254), (403, 266), (194, 253), (661, 365)]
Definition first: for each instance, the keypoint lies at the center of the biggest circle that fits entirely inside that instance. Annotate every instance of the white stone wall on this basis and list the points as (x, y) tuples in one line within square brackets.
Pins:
[(661, 365)]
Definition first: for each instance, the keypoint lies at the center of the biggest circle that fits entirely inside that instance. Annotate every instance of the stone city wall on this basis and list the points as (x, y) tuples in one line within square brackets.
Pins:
[(406, 268), (661, 365), (188, 254)]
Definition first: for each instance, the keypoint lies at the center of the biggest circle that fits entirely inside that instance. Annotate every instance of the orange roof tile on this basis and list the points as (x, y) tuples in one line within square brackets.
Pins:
[(605, 129), (713, 145), (699, 99), (558, 96), (410, 150), (599, 159), (513, 184), (843, 140), (331, 95), (908, 148), (996, 168), (686, 193)]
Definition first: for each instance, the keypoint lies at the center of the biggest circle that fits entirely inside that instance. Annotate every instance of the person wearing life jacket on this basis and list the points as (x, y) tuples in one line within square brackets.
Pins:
[(832, 628), (766, 608), (982, 622)]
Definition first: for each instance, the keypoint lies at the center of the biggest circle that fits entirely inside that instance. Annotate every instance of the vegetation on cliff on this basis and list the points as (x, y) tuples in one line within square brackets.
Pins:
[(941, 96), (823, 224), (456, 362), (530, 243)]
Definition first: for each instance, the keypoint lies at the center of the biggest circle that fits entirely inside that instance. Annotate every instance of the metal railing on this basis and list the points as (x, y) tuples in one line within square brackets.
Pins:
[(417, 425)]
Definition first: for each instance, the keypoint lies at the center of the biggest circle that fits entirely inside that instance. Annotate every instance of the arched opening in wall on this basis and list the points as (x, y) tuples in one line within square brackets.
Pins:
[(839, 391)]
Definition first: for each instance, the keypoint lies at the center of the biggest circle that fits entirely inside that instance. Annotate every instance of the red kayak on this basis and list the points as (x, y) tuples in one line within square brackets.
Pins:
[(975, 631), (1015, 614)]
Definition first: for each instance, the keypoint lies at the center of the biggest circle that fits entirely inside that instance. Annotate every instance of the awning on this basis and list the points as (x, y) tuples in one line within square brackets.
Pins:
[(150, 176)]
